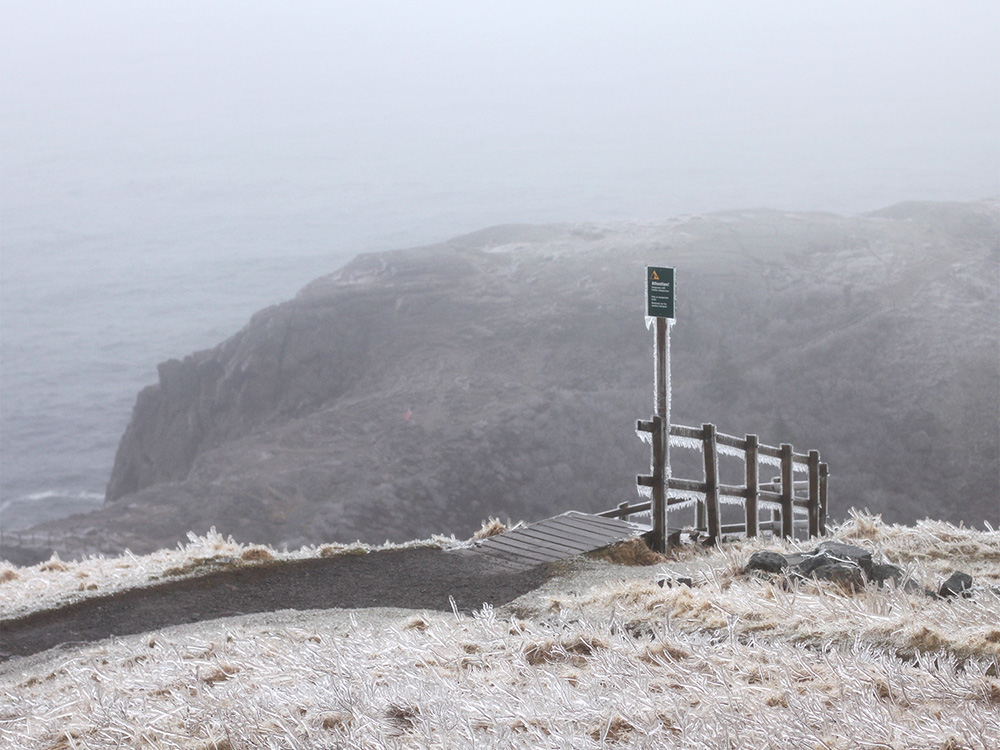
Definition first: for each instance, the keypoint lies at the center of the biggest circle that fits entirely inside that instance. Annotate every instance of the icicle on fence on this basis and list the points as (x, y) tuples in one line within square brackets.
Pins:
[(783, 495)]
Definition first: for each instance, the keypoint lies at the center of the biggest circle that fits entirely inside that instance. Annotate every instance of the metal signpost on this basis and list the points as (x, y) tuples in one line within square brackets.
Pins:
[(660, 302)]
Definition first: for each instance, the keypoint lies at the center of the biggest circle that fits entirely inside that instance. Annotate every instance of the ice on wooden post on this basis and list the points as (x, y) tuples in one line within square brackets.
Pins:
[(684, 498), (694, 444), (732, 499), (728, 450)]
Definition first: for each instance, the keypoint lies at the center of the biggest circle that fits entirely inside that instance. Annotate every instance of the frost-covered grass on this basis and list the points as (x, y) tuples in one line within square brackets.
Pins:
[(56, 582), (609, 659)]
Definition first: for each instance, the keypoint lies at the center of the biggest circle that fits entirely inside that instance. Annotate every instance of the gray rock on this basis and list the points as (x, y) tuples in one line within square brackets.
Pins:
[(767, 561), (882, 572), (848, 575), (958, 584), (848, 553), (679, 581)]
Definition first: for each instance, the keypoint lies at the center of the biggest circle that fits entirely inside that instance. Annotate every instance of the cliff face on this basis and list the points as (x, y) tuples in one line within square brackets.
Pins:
[(500, 373)]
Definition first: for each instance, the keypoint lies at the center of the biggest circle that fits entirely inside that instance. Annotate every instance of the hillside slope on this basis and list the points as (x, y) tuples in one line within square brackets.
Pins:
[(598, 656), (500, 373)]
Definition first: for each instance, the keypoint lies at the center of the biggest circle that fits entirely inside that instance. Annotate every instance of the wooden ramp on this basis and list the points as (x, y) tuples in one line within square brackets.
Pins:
[(563, 536)]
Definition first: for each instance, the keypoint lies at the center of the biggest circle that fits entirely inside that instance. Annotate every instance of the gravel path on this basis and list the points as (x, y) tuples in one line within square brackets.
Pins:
[(419, 578)]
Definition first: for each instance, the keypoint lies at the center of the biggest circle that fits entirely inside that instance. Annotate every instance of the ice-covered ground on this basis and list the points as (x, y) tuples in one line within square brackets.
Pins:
[(601, 656)]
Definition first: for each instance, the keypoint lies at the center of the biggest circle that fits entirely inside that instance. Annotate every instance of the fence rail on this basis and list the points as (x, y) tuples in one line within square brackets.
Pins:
[(781, 492)]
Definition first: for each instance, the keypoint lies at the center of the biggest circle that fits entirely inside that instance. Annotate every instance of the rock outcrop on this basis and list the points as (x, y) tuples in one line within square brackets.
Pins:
[(849, 566), (500, 374)]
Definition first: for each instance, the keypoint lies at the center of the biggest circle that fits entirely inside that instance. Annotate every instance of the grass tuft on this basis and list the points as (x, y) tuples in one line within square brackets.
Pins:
[(630, 552), (490, 527)]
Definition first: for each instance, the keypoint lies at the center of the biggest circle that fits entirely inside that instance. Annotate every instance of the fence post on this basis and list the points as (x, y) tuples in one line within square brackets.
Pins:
[(787, 492), (711, 450), (753, 485), (813, 506), (660, 438), (824, 473)]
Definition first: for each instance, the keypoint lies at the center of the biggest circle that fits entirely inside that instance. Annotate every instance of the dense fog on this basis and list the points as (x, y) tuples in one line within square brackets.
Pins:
[(167, 169)]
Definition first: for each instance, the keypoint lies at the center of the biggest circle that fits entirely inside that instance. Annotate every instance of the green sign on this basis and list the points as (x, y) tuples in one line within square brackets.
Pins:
[(659, 292)]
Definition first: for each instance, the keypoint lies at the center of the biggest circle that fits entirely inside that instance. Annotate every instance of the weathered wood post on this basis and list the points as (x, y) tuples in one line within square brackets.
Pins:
[(660, 306), (813, 505), (661, 435), (787, 492), (753, 485), (711, 451), (824, 473)]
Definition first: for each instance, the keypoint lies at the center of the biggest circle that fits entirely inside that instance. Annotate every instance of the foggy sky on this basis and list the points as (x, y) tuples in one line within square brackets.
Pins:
[(168, 168), (790, 104)]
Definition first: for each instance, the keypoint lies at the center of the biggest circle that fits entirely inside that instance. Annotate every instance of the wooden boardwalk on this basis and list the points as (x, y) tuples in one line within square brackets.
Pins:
[(556, 538)]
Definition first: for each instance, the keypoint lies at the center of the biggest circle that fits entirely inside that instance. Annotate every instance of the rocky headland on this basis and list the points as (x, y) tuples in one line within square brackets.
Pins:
[(500, 374)]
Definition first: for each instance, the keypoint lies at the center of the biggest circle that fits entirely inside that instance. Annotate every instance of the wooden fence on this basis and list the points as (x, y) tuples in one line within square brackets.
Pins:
[(783, 494)]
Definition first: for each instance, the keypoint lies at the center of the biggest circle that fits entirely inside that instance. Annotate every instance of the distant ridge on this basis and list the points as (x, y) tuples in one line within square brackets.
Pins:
[(500, 373)]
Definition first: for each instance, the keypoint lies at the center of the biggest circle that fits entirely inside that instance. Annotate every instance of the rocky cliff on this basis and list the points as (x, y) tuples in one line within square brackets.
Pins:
[(500, 373)]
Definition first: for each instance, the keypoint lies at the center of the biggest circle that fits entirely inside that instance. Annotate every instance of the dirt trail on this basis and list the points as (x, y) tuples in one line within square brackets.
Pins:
[(419, 578)]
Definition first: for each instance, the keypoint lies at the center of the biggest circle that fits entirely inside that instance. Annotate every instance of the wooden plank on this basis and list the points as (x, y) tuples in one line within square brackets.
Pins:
[(588, 520), (678, 430), (731, 441), (573, 533), (515, 547), (573, 530), (619, 529), (532, 544), (753, 488), (544, 539), (569, 534), (769, 450), (571, 541), (553, 539), (824, 473), (711, 453), (632, 509), (513, 544), (787, 491), (686, 485)]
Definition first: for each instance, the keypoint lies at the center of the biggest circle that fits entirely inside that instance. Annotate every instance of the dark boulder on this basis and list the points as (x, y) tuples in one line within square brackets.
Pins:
[(847, 575), (958, 584), (767, 561), (846, 553), (882, 572)]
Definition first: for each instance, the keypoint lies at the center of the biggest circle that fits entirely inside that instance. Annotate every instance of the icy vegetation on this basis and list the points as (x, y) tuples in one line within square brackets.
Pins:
[(601, 656)]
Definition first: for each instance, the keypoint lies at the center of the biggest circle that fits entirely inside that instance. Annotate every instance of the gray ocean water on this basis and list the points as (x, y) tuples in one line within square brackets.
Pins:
[(166, 171)]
